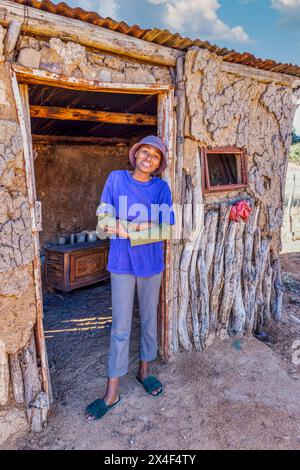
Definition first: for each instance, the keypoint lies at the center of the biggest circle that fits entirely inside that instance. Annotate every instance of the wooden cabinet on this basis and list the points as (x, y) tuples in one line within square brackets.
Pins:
[(68, 267)]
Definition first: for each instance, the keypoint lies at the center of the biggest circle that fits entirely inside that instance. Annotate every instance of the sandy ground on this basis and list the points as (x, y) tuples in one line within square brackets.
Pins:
[(234, 395)]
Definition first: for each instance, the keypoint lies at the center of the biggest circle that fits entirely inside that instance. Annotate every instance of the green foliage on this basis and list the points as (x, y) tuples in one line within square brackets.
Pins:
[(295, 154)]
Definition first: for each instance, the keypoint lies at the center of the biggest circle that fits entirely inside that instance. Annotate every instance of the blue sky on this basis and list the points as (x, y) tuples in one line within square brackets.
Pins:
[(266, 28)]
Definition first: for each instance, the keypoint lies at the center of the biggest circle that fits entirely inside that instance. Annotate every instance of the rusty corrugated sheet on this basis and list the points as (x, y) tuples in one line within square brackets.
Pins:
[(162, 37)]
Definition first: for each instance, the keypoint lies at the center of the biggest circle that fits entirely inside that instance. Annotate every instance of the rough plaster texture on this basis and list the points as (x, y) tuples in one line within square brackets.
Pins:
[(12, 421), (7, 106), (17, 308), (15, 240), (226, 109), (69, 183), (17, 296), (72, 59)]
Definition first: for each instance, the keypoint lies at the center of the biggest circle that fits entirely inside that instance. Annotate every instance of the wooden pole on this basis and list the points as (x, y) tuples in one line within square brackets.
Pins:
[(11, 40), (16, 378), (4, 375), (166, 131)]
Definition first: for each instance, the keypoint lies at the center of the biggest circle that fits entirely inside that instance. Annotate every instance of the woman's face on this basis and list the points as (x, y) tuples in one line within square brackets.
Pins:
[(148, 158)]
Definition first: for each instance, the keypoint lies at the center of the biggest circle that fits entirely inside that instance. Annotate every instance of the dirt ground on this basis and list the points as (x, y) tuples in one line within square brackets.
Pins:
[(235, 395)]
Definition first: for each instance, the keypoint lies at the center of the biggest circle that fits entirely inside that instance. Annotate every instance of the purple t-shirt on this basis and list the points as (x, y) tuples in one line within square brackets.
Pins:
[(135, 200)]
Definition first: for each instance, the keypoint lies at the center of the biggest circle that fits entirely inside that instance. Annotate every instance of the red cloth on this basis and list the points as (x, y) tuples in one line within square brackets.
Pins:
[(240, 210)]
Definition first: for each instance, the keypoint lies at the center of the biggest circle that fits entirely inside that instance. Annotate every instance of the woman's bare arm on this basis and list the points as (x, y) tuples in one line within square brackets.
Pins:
[(138, 233)]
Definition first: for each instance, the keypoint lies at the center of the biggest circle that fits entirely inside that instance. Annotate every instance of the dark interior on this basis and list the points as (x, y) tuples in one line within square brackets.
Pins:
[(99, 101), (222, 169)]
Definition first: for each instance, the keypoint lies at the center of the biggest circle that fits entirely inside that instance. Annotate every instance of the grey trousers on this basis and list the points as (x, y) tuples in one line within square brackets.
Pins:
[(122, 293)]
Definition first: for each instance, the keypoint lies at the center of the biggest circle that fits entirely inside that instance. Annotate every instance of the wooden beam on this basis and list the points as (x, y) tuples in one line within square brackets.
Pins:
[(77, 140), (41, 77), (11, 40), (42, 23), (260, 75), (166, 131), (73, 114)]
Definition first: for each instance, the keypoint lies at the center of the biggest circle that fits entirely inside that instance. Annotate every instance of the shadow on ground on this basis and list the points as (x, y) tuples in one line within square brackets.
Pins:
[(233, 395)]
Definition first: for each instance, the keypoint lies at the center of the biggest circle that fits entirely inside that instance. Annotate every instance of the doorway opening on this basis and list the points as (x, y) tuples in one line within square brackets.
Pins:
[(77, 138)]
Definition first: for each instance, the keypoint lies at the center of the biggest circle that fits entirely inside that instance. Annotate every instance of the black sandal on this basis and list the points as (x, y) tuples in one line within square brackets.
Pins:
[(150, 384), (99, 408)]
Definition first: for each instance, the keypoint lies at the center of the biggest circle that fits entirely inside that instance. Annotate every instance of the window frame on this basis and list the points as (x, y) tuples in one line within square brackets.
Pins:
[(206, 185)]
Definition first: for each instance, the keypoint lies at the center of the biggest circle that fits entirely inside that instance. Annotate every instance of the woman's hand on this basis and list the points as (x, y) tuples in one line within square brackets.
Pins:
[(119, 230), (137, 227)]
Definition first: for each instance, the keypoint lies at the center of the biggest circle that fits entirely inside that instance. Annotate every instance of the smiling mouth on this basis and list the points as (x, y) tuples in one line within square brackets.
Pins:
[(147, 165)]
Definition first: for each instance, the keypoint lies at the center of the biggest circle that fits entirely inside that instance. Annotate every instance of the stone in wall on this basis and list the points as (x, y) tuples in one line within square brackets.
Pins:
[(71, 54), (29, 57), (31, 42), (138, 74), (51, 60)]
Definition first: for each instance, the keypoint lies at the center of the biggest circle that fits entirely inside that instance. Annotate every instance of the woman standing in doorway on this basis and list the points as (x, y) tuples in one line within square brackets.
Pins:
[(136, 259)]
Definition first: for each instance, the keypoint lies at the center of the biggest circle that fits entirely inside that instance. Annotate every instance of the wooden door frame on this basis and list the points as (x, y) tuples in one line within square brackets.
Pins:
[(21, 77), (167, 131)]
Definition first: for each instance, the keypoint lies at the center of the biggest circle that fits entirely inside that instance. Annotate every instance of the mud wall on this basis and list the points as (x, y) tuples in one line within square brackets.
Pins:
[(17, 294), (69, 180), (17, 299), (226, 109), (226, 277)]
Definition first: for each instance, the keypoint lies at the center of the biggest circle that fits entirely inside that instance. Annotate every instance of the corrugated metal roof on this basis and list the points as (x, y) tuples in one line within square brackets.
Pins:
[(162, 37)]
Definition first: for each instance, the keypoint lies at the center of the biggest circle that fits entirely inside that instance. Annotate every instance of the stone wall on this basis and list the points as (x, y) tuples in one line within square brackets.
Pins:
[(69, 181), (71, 59)]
